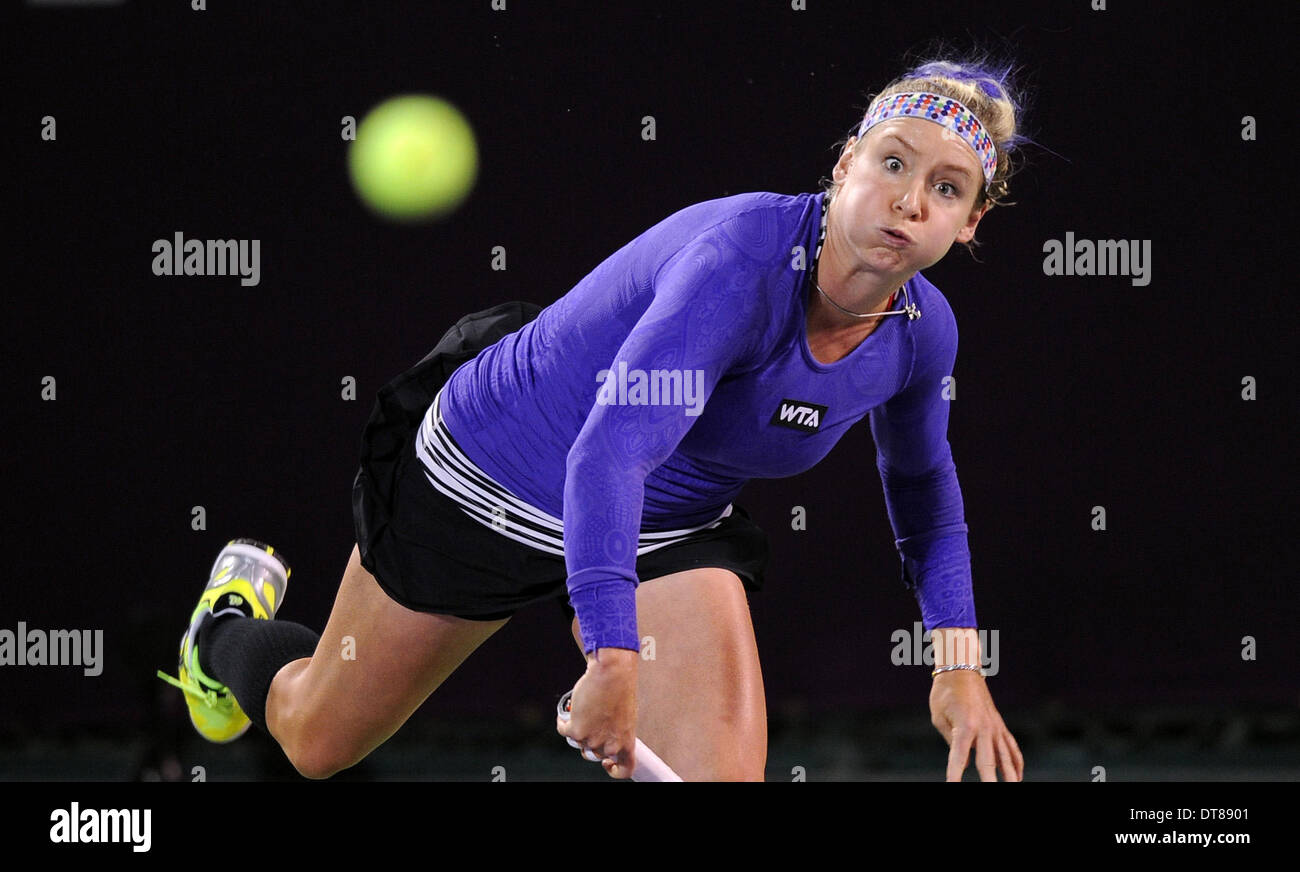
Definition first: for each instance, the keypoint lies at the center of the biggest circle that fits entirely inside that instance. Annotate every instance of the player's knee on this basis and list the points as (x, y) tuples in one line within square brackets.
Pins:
[(319, 758), (315, 748), (312, 763)]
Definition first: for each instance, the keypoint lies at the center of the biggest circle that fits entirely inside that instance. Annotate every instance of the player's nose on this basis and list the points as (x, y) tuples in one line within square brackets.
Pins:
[(907, 200)]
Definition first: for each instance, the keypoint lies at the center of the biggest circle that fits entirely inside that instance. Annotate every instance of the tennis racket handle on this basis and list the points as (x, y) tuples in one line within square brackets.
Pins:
[(649, 767)]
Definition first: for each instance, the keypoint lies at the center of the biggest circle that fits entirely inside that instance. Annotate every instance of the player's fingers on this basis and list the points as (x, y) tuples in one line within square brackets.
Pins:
[(1009, 756), (563, 727), (1006, 759), (620, 766), (958, 754), (576, 741), (986, 761), (944, 727), (1017, 758)]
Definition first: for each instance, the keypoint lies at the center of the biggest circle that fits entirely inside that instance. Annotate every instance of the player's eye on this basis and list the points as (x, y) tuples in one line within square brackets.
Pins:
[(893, 160), (952, 189)]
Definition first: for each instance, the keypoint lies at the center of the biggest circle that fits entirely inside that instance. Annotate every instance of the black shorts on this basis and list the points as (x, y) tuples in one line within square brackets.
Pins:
[(429, 556)]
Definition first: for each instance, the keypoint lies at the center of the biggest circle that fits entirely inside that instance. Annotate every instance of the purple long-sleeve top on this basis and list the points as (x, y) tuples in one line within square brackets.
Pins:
[(679, 369)]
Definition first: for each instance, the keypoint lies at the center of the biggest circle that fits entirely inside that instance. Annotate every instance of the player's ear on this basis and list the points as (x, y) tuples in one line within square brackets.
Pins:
[(967, 233), (846, 158)]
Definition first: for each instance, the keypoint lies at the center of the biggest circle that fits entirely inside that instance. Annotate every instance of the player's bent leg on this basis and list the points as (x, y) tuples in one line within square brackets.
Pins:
[(700, 700), (376, 662)]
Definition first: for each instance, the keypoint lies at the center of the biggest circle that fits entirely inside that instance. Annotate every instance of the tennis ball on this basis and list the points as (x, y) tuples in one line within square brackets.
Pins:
[(414, 158)]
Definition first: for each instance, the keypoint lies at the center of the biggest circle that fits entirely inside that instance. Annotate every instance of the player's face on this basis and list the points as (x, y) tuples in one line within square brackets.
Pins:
[(914, 177)]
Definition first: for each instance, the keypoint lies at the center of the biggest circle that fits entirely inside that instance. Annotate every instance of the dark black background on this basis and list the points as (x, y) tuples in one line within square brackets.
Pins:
[(1073, 391)]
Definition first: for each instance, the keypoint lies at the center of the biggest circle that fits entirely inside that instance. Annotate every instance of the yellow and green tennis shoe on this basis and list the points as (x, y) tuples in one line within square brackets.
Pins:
[(248, 579)]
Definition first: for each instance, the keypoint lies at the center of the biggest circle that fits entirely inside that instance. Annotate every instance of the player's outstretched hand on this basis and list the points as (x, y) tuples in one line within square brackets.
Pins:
[(603, 715), (962, 710)]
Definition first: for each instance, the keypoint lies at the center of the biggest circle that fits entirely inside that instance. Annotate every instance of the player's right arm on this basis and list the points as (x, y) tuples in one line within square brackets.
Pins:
[(707, 316)]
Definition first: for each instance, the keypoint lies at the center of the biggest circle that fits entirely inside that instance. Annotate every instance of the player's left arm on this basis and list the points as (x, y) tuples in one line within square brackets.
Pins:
[(924, 501)]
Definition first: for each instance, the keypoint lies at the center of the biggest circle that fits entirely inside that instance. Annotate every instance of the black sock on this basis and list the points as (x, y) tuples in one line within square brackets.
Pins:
[(245, 654)]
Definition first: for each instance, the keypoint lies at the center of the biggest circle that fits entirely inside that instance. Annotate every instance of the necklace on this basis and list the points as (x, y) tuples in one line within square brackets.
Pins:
[(909, 309)]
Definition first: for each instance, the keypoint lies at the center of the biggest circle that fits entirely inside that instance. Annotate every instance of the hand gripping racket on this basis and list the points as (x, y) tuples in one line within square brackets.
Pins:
[(648, 765)]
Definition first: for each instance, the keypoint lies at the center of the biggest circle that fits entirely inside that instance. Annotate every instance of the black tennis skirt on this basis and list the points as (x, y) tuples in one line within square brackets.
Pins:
[(429, 556)]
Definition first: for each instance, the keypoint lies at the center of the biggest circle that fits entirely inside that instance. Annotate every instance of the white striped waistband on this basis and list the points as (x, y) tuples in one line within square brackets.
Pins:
[(485, 500)]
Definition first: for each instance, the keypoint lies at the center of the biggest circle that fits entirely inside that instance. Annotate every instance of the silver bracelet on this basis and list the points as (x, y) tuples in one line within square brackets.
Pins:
[(972, 666)]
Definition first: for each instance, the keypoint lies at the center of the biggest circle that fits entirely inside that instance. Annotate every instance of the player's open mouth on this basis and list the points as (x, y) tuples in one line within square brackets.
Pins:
[(896, 238)]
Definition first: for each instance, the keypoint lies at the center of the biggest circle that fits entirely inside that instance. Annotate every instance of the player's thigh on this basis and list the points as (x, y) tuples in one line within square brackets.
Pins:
[(700, 701), (376, 662)]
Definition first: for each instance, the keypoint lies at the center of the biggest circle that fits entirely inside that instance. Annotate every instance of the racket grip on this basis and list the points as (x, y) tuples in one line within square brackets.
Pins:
[(649, 766)]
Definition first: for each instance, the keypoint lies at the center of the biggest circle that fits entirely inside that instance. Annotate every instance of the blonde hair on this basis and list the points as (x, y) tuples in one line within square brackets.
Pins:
[(983, 89)]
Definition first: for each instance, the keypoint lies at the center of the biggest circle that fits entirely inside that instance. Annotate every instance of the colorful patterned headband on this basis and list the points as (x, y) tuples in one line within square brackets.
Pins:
[(943, 111)]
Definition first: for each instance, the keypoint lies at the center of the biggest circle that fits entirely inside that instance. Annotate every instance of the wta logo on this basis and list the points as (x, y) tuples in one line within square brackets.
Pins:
[(799, 415)]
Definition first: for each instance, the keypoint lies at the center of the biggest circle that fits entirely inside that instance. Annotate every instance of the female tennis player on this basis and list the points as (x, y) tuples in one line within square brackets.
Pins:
[(594, 449)]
